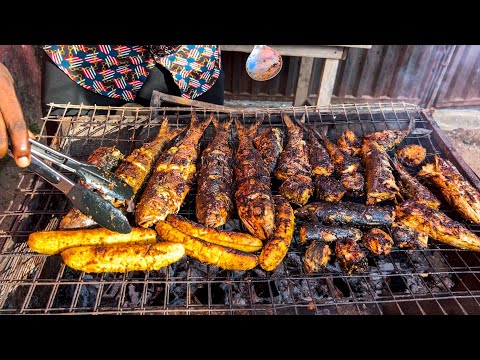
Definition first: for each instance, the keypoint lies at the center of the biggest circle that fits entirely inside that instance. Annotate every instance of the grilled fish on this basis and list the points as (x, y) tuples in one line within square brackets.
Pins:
[(214, 199), (105, 158), (380, 182), (318, 157), (270, 145), (317, 256), (353, 183), (294, 157), (404, 237), (387, 139), (137, 166), (351, 257), (412, 155), (327, 188), (277, 246), (436, 225), (343, 162), (413, 189), (349, 143), (377, 241), (310, 231), (223, 257), (172, 177), (231, 239), (456, 190), (253, 194), (123, 258), (350, 213), (297, 189)]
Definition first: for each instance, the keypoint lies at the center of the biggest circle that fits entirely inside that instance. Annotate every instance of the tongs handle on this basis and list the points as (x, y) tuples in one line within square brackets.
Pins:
[(47, 153), (54, 177)]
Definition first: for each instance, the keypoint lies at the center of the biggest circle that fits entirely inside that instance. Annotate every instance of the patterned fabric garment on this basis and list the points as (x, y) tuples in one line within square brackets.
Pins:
[(119, 71)]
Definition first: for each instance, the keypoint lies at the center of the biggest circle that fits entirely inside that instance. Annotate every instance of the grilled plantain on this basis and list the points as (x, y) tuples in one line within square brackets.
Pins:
[(318, 157), (387, 139), (456, 190), (123, 258), (105, 158), (351, 258), (231, 239), (413, 189), (297, 189), (327, 188), (253, 194), (349, 143), (310, 231), (411, 155), (380, 182), (277, 247), (172, 177), (404, 237), (353, 184), (54, 242), (317, 256), (214, 199), (270, 145), (377, 241), (349, 213), (436, 225), (225, 258)]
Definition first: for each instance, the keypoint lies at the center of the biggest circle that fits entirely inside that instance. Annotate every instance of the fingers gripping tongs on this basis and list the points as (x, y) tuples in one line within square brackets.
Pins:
[(85, 200)]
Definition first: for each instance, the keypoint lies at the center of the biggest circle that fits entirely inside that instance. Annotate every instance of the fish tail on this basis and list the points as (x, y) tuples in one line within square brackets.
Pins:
[(221, 125), (168, 132), (243, 130)]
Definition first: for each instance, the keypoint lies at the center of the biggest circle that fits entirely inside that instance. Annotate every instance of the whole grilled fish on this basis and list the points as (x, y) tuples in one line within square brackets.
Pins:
[(348, 213), (413, 189), (253, 194), (318, 156), (380, 182), (293, 167), (137, 166), (214, 200), (436, 225), (456, 190), (172, 177), (105, 158), (270, 144)]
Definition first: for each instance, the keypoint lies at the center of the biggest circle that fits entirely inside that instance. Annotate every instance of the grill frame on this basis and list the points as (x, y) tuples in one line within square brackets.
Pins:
[(447, 280)]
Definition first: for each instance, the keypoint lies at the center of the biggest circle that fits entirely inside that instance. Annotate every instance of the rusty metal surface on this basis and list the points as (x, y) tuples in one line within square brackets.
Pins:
[(438, 280)]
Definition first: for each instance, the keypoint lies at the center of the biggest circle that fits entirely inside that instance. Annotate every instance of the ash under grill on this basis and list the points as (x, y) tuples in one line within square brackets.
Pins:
[(439, 280)]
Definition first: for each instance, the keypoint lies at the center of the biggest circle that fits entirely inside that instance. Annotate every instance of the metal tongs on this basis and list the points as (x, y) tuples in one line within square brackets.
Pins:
[(85, 200)]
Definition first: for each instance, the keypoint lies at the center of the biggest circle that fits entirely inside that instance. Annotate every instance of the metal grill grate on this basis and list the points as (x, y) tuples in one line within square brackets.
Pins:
[(439, 280)]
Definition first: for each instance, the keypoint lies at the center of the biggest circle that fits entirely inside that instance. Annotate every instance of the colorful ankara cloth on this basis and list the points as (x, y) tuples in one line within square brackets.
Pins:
[(119, 71)]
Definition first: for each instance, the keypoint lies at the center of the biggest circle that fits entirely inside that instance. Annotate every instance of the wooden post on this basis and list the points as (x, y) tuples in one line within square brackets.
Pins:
[(303, 83), (327, 82)]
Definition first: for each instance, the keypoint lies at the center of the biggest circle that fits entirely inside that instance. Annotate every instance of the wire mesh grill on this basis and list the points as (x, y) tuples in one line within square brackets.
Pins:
[(439, 280)]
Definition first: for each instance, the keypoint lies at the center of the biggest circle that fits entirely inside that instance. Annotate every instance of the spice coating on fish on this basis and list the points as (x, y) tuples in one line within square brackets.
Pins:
[(172, 177), (214, 199), (404, 237), (413, 189), (318, 157), (253, 194), (436, 225), (380, 183), (270, 145), (310, 231), (327, 188), (456, 190), (349, 143), (387, 139), (137, 166)]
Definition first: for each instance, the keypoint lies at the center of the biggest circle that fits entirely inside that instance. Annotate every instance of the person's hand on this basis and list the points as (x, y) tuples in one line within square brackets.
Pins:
[(12, 123)]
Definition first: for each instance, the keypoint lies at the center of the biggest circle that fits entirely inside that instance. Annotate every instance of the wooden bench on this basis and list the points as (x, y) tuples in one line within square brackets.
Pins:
[(332, 55)]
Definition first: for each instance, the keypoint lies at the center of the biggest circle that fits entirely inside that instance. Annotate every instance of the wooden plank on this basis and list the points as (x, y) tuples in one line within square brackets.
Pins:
[(303, 83), (354, 46), (320, 51), (327, 82)]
